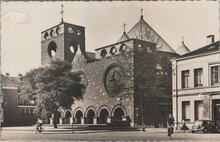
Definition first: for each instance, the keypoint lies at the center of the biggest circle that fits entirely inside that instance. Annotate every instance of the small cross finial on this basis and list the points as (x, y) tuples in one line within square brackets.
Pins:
[(124, 27), (61, 12), (183, 39), (142, 11)]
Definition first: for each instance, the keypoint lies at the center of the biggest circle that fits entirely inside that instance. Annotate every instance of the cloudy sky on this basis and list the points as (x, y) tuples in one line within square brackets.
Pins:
[(22, 23)]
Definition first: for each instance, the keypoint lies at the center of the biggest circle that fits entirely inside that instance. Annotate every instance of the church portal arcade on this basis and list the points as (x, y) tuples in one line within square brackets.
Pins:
[(91, 115)]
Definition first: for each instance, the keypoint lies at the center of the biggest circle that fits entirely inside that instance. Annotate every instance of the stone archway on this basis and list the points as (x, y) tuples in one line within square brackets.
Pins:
[(90, 116), (67, 117), (78, 116), (118, 114), (103, 116), (58, 116)]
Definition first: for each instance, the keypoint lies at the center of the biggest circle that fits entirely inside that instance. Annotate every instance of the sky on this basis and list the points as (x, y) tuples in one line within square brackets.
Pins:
[(23, 22)]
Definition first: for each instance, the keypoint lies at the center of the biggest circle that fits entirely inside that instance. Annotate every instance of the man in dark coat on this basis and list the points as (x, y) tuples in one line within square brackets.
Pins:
[(170, 124)]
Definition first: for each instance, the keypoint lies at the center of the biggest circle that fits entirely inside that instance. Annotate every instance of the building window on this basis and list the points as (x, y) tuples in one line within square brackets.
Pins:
[(198, 77), (31, 111), (23, 111), (186, 111), (198, 110), (103, 53), (27, 111), (185, 79), (113, 50), (215, 71)]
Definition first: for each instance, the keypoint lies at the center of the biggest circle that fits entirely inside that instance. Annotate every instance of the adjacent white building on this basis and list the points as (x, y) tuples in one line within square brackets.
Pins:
[(196, 85), (1, 109)]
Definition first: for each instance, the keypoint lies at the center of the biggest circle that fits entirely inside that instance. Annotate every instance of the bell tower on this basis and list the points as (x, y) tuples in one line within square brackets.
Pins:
[(62, 42)]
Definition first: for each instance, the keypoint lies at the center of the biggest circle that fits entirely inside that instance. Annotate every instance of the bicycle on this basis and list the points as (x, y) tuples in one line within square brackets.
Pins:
[(39, 129), (170, 131)]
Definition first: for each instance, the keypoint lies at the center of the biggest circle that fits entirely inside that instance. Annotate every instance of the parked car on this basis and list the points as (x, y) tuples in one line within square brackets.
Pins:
[(204, 126)]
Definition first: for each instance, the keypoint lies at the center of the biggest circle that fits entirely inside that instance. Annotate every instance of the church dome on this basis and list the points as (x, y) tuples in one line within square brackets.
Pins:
[(123, 37), (143, 31), (183, 49)]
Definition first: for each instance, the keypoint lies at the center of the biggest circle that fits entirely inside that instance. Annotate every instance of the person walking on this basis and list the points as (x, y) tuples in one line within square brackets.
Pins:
[(170, 125), (184, 127)]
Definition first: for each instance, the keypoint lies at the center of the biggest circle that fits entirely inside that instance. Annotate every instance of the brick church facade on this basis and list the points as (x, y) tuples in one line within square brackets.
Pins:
[(126, 82)]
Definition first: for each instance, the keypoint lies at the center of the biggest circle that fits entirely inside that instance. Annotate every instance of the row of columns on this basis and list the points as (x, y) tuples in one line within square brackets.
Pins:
[(95, 120)]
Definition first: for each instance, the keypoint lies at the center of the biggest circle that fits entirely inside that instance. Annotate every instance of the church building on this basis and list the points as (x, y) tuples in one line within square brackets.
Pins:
[(127, 82)]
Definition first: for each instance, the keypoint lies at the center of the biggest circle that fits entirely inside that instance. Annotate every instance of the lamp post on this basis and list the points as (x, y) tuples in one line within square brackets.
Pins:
[(143, 128), (175, 71)]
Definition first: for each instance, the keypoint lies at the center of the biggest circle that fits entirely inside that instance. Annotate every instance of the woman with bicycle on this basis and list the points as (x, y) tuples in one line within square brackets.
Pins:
[(170, 125), (39, 125)]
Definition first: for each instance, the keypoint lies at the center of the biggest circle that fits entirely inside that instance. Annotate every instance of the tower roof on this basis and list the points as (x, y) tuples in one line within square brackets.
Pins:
[(143, 31), (123, 37), (183, 49), (211, 48)]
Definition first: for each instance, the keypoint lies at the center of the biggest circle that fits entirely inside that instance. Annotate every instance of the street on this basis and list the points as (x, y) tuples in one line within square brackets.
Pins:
[(151, 134)]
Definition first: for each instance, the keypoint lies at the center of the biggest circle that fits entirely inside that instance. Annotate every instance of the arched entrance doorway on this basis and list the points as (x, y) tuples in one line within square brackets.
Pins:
[(90, 115), (67, 118), (103, 116), (57, 117), (48, 117), (118, 114), (78, 116)]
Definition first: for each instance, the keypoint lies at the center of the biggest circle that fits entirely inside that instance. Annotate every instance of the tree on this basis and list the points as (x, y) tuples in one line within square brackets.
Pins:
[(7, 74), (19, 75), (52, 87)]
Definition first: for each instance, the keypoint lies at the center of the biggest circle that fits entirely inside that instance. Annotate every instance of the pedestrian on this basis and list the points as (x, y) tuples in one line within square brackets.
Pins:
[(170, 125), (184, 127)]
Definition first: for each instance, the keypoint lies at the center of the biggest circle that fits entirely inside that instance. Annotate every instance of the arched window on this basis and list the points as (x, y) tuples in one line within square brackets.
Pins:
[(140, 48), (52, 33), (46, 35), (113, 50), (123, 48), (72, 49), (103, 53), (52, 48), (58, 30)]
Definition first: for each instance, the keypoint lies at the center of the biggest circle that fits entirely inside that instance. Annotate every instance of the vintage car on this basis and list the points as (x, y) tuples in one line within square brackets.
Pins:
[(204, 126)]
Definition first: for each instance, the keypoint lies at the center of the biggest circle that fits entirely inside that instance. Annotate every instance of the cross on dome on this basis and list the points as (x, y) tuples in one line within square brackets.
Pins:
[(182, 39), (142, 13), (61, 12), (124, 36)]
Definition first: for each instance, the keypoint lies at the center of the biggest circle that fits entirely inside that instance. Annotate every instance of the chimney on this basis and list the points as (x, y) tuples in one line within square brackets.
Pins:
[(210, 39)]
